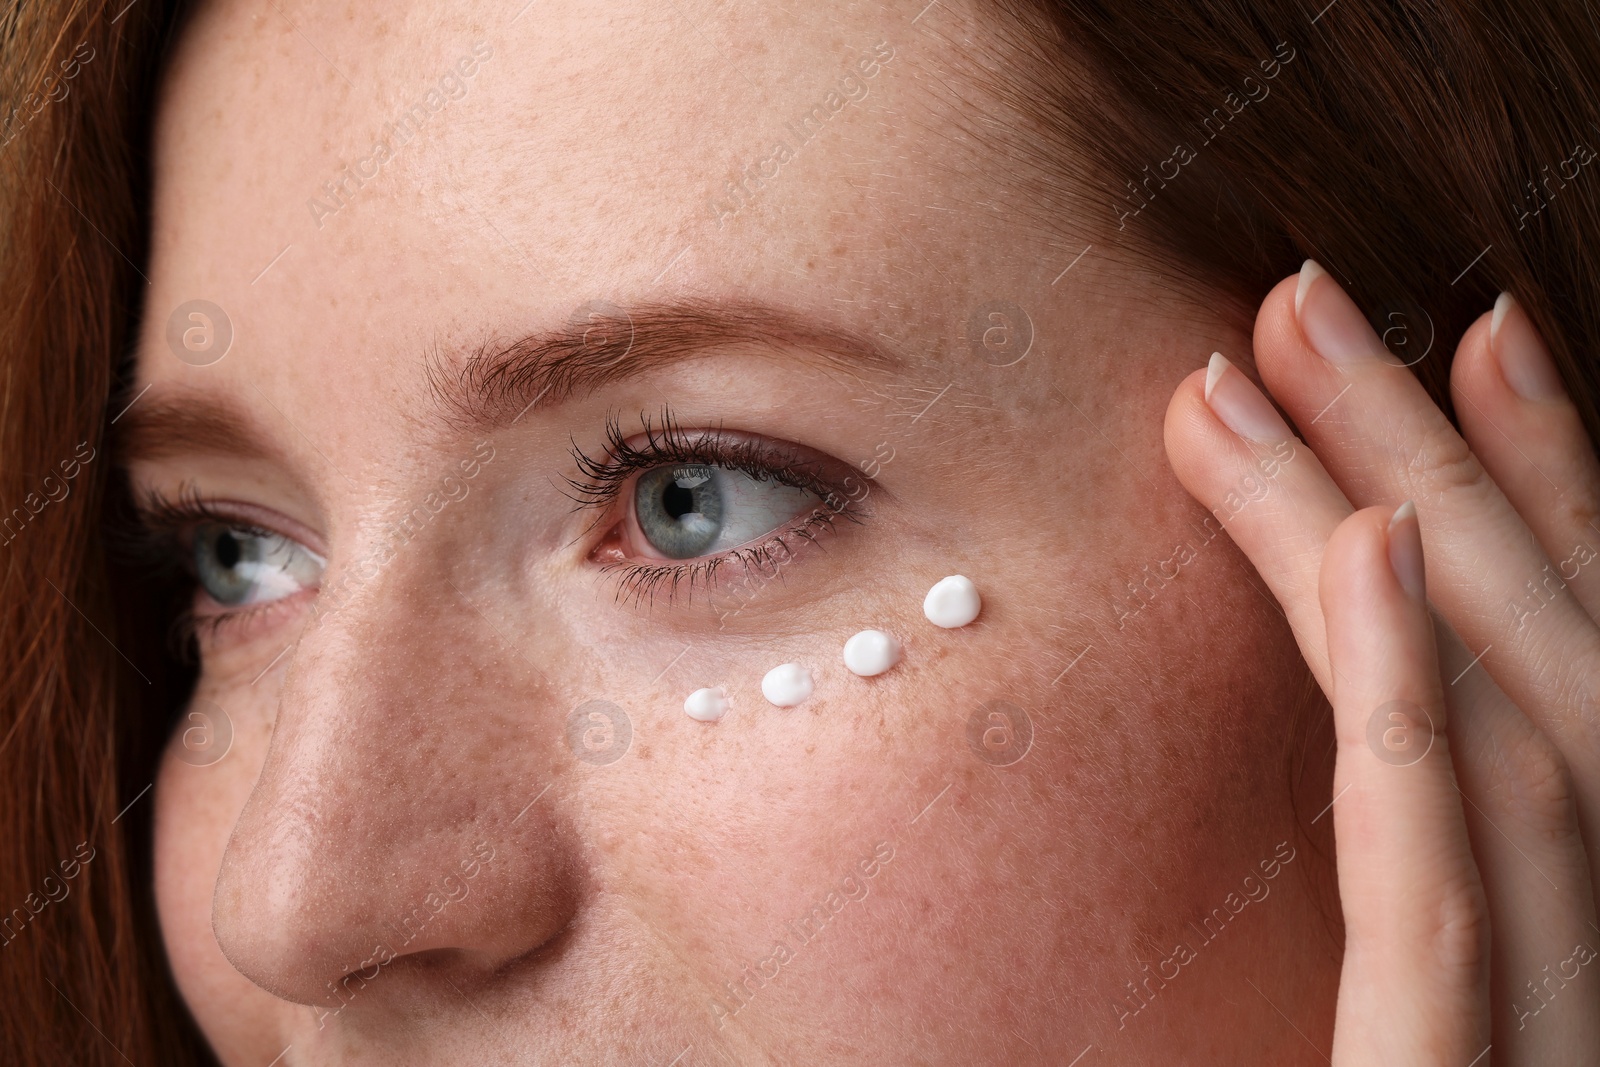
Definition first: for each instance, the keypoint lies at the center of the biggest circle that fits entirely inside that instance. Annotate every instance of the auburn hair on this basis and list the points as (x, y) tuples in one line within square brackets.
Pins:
[(1429, 153)]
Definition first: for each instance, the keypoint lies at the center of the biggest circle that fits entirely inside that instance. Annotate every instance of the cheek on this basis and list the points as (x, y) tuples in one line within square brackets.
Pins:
[(195, 810), (1033, 768)]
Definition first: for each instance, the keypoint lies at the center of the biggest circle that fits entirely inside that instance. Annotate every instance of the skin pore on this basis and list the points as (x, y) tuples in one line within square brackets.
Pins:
[(407, 742)]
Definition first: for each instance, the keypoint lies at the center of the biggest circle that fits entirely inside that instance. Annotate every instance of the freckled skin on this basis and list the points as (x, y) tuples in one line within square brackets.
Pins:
[(423, 725)]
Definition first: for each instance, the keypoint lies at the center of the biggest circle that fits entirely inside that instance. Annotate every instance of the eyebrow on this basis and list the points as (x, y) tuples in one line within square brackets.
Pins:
[(602, 344), (187, 423), (498, 382)]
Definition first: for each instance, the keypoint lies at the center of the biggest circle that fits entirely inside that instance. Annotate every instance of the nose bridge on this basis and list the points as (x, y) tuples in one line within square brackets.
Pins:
[(381, 825)]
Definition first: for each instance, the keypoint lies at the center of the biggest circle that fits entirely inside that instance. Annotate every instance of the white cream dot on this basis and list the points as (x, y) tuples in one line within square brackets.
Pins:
[(707, 705), (871, 652), (787, 685), (952, 602)]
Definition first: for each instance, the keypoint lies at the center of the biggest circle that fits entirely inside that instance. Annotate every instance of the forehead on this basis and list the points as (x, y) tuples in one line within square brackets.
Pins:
[(343, 183)]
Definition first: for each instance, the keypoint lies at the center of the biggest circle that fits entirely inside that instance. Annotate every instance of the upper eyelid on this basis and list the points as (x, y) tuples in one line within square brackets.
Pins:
[(667, 441), (151, 504), (696, 444), (808, 468)]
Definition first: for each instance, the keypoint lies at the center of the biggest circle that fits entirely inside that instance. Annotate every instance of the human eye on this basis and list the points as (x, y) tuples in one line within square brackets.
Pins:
[(241, 571), (682, 507), (239, 565)]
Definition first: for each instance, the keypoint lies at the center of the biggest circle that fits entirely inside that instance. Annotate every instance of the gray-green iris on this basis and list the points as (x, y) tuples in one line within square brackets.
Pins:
[(218, 553), (680, 509), (242, 566)]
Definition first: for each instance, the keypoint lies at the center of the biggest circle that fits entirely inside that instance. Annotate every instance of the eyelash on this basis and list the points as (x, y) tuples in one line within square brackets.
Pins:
[(159, 540), (600, 484)]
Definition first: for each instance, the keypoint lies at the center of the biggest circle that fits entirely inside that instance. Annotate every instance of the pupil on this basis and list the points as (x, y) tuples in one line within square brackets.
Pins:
[(677, 501), (227, 550)]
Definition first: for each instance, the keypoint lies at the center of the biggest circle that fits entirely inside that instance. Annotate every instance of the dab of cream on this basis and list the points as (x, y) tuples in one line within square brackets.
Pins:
[(952, 602), (871, 652), (707, 705), (787, 685)]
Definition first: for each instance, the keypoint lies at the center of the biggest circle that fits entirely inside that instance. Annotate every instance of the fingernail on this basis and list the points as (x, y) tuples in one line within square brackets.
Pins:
[(1330, 319), (1240, 405), (1524, 360), (1405, 550)]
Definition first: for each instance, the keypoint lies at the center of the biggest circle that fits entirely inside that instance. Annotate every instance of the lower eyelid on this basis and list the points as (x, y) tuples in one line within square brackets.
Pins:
[(641, 580), (217, 626)]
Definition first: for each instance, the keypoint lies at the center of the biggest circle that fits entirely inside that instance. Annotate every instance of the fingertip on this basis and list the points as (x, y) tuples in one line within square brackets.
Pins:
[(1473, 372), (1188, 418), (1278, 308), (1310, 271), (1520, 352), (1192, 389), (1277, 337), (1214, 371), (1357, 551), (1503, 362), (1502, 305)]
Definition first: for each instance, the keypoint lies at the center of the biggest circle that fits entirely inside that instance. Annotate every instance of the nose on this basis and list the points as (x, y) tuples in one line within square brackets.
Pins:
[(384, 829)]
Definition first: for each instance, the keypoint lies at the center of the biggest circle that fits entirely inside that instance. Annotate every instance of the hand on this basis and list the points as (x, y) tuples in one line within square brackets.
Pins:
[(1464, 769)]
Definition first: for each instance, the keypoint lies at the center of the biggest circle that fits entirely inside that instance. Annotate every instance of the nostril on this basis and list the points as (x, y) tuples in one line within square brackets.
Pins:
[(322, 927), (343, 991), (370, 856)]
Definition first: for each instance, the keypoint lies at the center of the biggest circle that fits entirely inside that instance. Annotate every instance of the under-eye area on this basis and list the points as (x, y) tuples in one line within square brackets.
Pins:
[(679, 508)]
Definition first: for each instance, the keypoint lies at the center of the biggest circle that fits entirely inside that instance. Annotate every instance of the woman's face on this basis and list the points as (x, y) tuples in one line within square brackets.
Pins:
[(462, 815)]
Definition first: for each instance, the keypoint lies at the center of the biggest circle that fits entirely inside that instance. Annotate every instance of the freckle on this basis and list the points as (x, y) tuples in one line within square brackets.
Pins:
[(644, 752)]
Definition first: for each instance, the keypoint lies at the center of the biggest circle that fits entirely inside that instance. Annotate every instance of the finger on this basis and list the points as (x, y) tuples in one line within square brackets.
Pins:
[(1414, 988), (1382, 438), (1523, 828), (1523, 427), (1522, 821), (1234, 453)]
